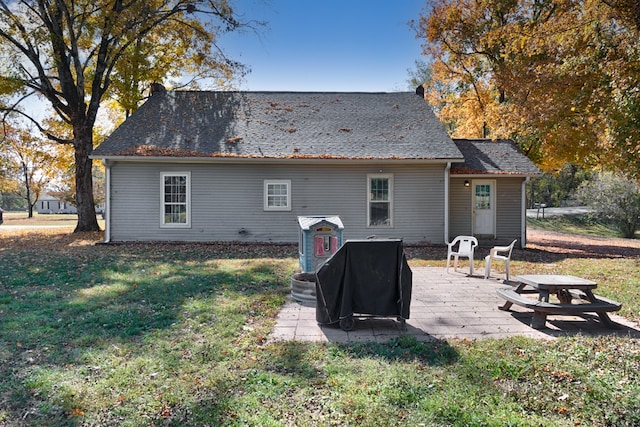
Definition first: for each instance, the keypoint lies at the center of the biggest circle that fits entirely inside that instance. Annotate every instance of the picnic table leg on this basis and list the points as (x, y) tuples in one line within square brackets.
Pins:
[(604, 317), (507, 305), (539, 320), (544, 295)]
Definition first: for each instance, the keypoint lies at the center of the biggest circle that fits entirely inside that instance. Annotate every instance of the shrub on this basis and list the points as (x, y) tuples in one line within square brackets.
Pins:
[(614, 199)]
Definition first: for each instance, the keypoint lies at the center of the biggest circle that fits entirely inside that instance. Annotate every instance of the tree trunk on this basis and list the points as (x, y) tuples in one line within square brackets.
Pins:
[(27, 187), (83, 144)]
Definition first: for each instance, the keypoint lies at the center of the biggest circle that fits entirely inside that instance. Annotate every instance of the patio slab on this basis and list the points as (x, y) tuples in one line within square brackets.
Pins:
[(444, 305)]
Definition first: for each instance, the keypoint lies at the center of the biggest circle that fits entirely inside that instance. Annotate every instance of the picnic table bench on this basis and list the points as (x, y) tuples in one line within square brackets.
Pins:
[(576, 287)]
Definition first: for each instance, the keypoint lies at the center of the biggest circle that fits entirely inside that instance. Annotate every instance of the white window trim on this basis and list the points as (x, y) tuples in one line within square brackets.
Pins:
[(268, 182), (389, 176), (162, 203)]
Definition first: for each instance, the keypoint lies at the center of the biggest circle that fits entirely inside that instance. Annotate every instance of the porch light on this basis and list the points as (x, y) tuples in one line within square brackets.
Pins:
[(467, 183)]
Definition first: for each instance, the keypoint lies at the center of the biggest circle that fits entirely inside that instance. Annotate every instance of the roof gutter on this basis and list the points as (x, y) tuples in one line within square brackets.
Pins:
[(495, 175), (288, 160)]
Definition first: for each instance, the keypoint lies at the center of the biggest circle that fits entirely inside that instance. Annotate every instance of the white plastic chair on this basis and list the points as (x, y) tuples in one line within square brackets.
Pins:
[(465, 248), (494, 254)]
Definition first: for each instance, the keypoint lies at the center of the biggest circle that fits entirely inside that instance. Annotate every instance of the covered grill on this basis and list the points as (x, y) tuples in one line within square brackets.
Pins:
[(364, 277)]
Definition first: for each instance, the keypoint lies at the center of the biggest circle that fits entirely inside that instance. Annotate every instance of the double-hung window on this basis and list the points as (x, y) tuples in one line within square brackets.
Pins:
[(277, 195), (380, 200), (175, 189)]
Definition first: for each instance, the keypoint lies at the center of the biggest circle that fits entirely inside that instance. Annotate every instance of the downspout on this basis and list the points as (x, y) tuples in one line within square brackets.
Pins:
[(446, 202), (523, 219), (107, 201)]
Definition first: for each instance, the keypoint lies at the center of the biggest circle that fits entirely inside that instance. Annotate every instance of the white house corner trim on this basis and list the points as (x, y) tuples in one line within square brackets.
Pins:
[(107, 201), (447, 177), (523, 215)]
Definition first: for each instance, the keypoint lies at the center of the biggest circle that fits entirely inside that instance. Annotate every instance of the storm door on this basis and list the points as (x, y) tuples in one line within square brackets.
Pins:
[(484, 209)]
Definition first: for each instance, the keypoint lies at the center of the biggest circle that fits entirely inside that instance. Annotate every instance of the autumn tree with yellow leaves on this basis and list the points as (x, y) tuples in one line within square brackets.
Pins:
[(560, 77), (28, 164)]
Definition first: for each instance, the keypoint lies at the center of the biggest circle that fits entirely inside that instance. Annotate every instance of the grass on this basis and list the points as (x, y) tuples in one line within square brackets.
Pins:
[(576, 224), (138, 334), (43, 220)]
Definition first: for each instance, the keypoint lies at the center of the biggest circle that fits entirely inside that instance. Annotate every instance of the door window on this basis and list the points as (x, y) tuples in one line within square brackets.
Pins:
[(483, 196)]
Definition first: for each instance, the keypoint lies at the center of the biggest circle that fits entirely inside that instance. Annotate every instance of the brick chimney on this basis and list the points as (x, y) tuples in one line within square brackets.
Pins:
[(157, 88)]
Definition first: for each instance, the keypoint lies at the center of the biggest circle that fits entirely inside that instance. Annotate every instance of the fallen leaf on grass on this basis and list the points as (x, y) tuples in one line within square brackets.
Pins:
[(166, 411)]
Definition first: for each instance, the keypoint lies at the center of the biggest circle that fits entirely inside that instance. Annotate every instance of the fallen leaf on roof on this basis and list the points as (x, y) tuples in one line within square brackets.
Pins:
[(152, 151), (459, 170)]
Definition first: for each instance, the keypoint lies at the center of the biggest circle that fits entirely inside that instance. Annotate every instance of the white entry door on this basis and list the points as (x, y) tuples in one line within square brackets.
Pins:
[(484, 210)]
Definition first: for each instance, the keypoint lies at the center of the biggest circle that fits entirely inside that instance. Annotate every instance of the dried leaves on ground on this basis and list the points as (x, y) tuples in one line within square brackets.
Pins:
[(542, 246)]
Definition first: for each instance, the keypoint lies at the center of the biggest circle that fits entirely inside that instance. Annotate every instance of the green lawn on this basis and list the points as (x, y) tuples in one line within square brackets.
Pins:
[(134, 335), (576, 224)]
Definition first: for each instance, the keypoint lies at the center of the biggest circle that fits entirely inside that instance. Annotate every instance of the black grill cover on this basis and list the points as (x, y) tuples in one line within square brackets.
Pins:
[(369, 277)]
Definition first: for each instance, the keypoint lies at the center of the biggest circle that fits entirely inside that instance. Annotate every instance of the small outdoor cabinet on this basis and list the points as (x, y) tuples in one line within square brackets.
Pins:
[(320, 237)]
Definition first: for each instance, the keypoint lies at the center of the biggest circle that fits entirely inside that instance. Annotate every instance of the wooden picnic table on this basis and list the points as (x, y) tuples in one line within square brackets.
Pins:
[(563, 286)]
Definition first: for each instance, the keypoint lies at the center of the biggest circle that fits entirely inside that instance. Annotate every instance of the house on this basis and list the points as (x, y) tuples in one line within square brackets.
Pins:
[(242, 166), (48, 203), (487, 196)]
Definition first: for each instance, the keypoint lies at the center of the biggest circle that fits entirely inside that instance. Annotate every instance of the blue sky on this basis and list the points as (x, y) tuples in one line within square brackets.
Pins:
[(327, 45)]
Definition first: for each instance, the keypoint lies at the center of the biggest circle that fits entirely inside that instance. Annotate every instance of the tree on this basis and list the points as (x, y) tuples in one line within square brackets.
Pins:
[(558, 77), (468, 42), (613, 198), (30, 165), (623, 78), (69, 53), (553, 189), (175, 51), (420, 75)]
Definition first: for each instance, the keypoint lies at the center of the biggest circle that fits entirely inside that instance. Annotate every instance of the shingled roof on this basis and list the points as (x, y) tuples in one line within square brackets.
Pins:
[(276, 125), (493, 157)]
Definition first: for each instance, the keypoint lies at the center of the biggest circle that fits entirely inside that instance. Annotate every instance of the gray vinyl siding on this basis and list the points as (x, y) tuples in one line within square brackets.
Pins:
[(227, 201), (508, 209), (509, 203), (459, 208)]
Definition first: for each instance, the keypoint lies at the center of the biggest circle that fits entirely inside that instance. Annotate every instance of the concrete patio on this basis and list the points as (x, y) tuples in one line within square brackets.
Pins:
[(444, 306)]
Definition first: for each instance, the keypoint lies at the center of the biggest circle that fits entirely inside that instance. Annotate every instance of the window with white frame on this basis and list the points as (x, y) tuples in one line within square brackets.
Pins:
[(176, 199), (380, 200), (277, 195)]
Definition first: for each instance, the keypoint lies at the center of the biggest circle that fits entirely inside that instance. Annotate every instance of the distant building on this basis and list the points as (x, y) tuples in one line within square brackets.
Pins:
[(49, 204)]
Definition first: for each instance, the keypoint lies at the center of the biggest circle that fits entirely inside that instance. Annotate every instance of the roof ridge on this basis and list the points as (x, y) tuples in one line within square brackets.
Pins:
[(287, 92)]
